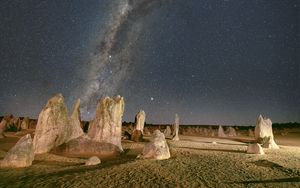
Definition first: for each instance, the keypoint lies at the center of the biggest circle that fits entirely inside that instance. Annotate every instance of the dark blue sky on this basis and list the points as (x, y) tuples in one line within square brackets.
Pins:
[(212, 62)]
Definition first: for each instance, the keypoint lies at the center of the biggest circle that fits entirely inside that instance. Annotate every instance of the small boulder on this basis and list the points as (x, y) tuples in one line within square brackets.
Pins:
[(157, 149), (93, 161), (21, 155), (176, 128), (255, 149)]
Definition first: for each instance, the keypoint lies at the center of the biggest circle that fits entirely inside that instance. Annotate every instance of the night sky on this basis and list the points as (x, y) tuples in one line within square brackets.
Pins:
[(210, 61)]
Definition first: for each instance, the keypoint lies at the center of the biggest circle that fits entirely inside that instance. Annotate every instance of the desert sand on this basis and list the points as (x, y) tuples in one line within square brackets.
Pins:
[(195, 162)]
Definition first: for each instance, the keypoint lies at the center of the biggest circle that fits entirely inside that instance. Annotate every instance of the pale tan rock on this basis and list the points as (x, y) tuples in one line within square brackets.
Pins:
[(255, 149), (25, 123), (140, 121), (176, 128), (93, 161), (75, 122), (107, 125), (3, 125), (250, 133), (21, 155), (137, 136), (231, 132), (157, 148), (53, 128), (168, 132), (221, 132), (264, 133)]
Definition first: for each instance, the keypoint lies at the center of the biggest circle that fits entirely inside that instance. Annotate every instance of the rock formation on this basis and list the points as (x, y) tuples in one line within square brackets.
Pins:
[(176, 128), (107, 125), (2, 127), (255, 149), (221, 132), (264, 134), (250, 133), (168, 132), (93, 161), (25, 123), (231, 131), (53, 127), (75, 122), (137, 134), (21, 155), (157, 149)]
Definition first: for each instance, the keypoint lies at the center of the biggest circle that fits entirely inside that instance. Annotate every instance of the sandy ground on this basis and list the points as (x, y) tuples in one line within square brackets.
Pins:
[(195, 162)]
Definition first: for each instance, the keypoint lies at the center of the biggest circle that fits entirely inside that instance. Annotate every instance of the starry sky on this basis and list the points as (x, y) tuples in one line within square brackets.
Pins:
[(210, 61)]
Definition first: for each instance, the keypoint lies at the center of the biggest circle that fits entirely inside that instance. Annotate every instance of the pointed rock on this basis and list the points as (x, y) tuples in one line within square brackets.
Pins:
[(75, 122), (157, 149), (107, 125), (25, 123), (176, 128), (53, 127), (264, 133), (137, 134), (221, 132), (168, 132), (21, 155)]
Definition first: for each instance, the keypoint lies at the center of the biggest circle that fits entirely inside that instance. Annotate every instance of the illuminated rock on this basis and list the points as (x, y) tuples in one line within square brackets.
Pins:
[(93, 161), (107, 125), (75, 122), (21, 155), (157, 148), (255, 149), (221, 132), (53, 128), (25, 123), (264, 133), (2, 127), (231, 132), (176, 128), (137, 134), (168, 132)]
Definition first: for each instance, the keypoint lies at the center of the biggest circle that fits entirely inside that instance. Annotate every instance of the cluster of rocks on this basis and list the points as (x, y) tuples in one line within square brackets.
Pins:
[(229, 133), (59, 133)]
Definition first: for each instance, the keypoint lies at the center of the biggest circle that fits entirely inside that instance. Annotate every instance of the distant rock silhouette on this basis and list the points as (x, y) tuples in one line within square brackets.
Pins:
[(231, 132), (221, 132), (107, 125), (2, 127), (21, 155), (264, 133), (157, 149)]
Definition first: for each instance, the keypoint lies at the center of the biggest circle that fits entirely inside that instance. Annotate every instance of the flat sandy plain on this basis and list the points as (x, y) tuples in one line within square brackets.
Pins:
[(195, 162)]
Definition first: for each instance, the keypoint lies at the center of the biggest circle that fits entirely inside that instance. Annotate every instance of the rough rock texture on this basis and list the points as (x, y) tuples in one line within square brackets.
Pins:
[(255, 149), (221, 132), (84, 146), (168, 132), (75, 122), (21, 155), (137, 136), (157, 149), (53, 127), (25, 123), (93, 161), (264, 133), (107, 125), (250, 133), (140, 121), (176, 128), (2, 127), (231, 131)]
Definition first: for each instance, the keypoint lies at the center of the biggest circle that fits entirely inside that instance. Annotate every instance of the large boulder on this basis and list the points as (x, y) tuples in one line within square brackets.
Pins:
[(2, 127), (93, 161), (221, 132), (264, 133), (21, 155), (156, 149), (75, 122), (137, 134), (176, 128), (255, 149), (86, 147), (107, 125), (53, 128)]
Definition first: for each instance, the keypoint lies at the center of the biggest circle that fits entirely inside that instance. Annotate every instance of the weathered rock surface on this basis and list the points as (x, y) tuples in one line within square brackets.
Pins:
[(221, 132), (93, 161), (176, 128), (231, 132), (25, 123), (75, 122), (168, 132), (140, 121), (21, 155), (53, 127), (255, 149), (2, 127), (107, 125), (84, 146), (264, 133), (137, 136), (157, 149)]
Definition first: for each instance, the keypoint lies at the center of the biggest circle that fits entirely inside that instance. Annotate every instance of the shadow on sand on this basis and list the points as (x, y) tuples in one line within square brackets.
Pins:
[(207, 149), (279, 180)]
